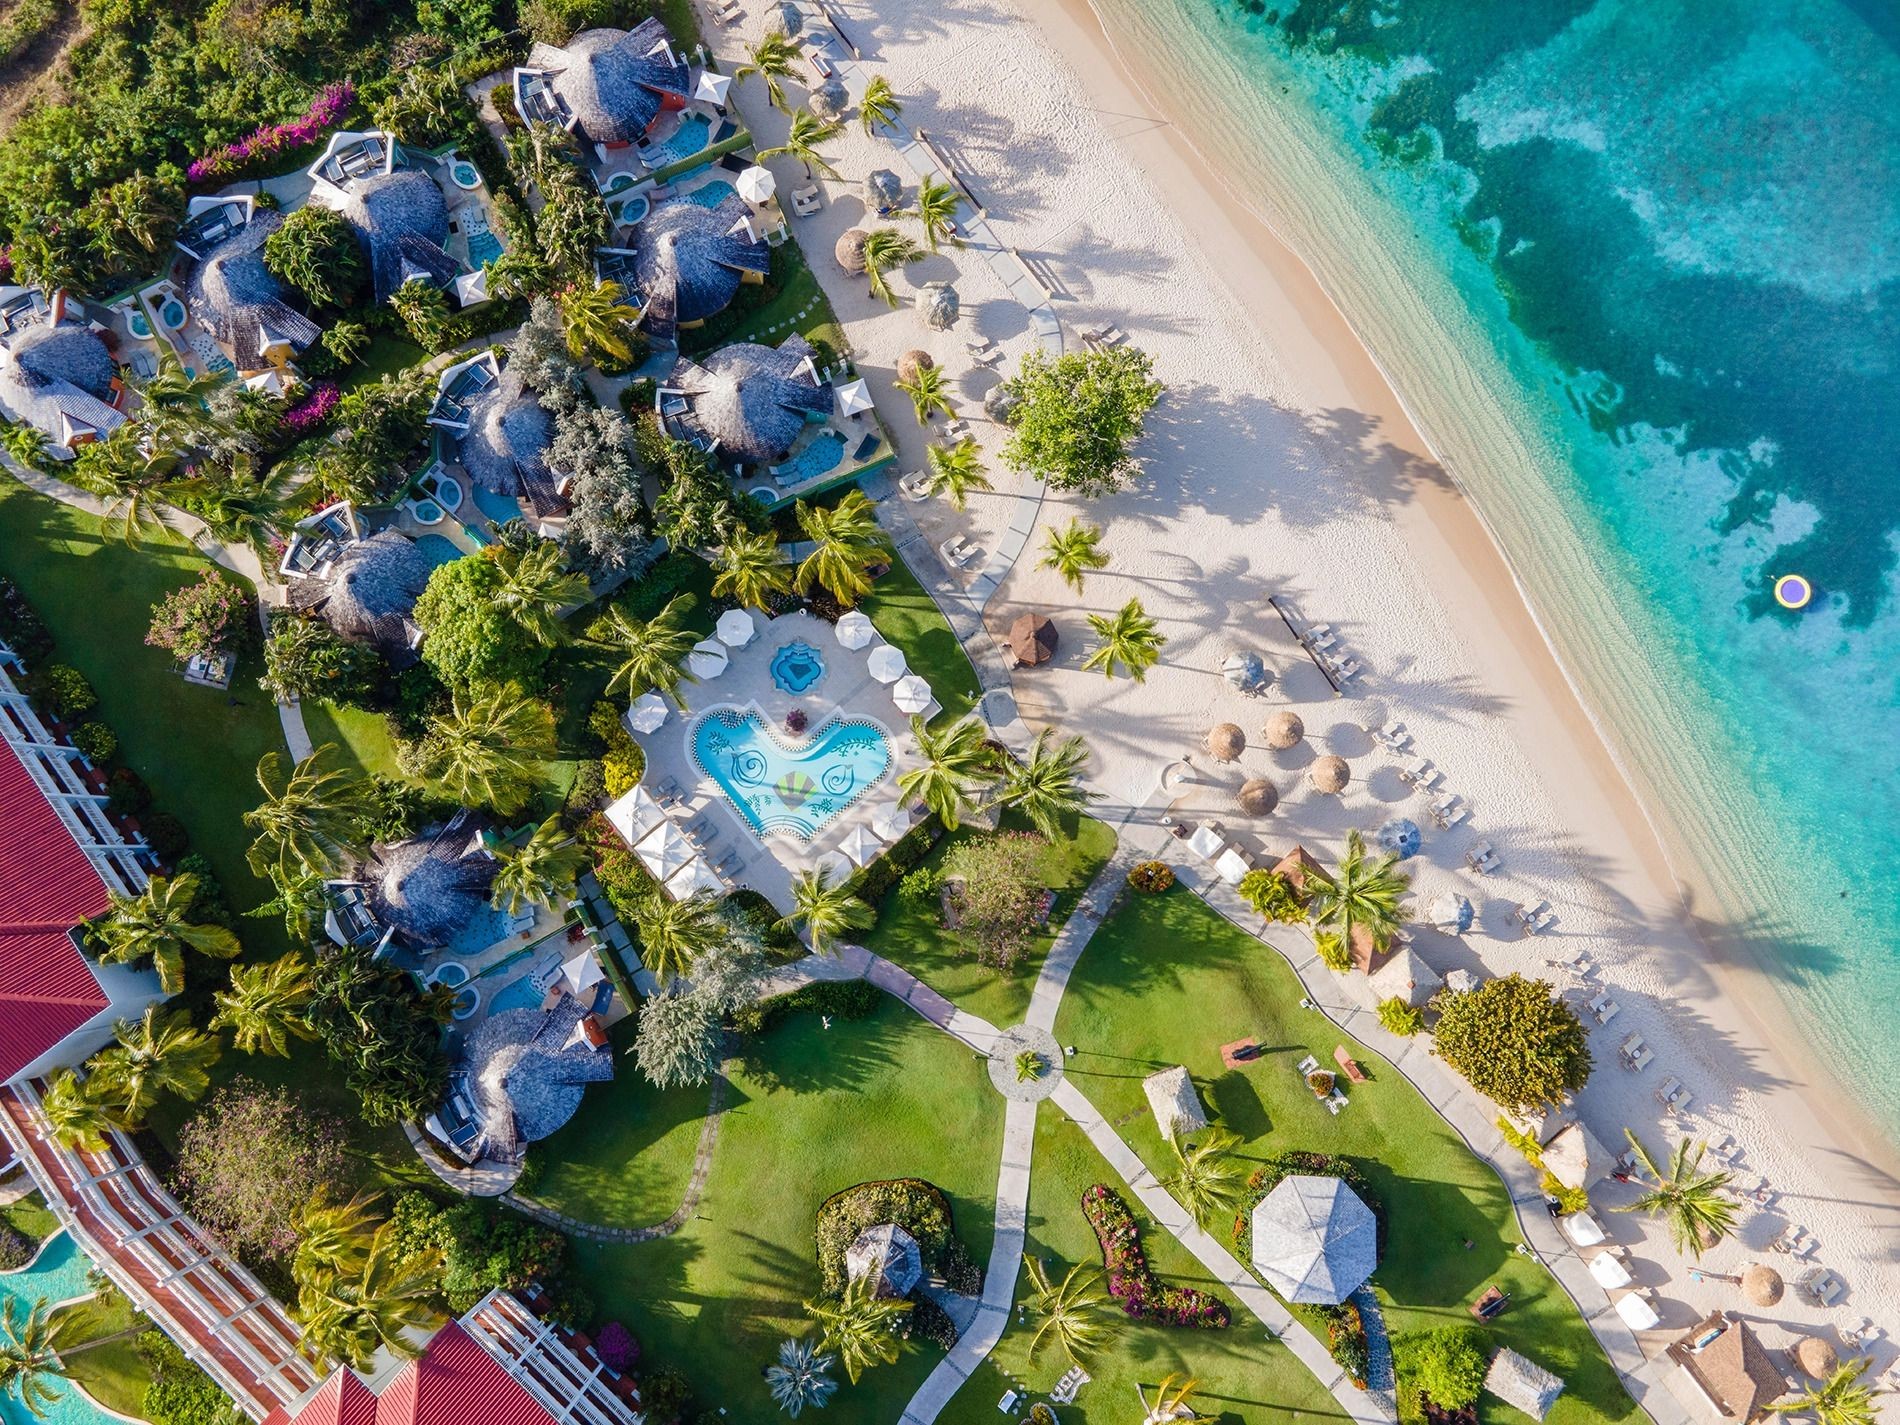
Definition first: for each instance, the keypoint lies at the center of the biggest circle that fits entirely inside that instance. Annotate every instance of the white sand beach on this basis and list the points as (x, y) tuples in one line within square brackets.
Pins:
[(1281, 464)]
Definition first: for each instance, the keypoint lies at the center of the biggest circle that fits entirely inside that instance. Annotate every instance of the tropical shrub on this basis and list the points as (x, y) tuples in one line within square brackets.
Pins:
[(180, 1392), (1513, 1042), (1398, 1017), (1150, 877), (378, 1031), (999, 901), (920, 889), (1131, 1281), (164, 833), (1077, 414), (1346, 1339), (312, 410), (1446, 1366), (265, 149), (305, 658), (617, 1347), (919, 1207), (471, 641), (904, 855), (126, 792), (484, 1247), (1333, 954), (65, 689), (203, 619), (21, 627), (1272, 895), (96, 740), (623, 761), (16, 1248), (838, 999), (930, 1322), (249, 1158)]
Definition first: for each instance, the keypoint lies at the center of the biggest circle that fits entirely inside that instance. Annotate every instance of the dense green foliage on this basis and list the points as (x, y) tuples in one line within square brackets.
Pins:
[(1514, 1043), (471, 642), (1446, 1366), (1078, 414)]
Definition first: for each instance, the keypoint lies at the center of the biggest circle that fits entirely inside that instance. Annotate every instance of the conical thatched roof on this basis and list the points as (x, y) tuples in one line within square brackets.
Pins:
[(527, 1069), (1816, 1357), (615, 82), (509, 432), (889, 1256), (1032, 639), (688, 260), (1283, 731), (850, 251), (371, 592), (1174, 1103), (1522, 1383), (883, 189), (59, 379), (939, 306), (235, 298), (1330, 775), (829, 100), (1257, 797), (431, 886), (911, 362), (1000, 403), (1225, 741), (401, 221), (754, 400), (1762, 1285), (1407, 977)]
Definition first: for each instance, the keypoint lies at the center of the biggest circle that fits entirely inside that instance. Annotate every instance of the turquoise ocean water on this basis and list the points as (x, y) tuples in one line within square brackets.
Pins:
[(1635, 269)]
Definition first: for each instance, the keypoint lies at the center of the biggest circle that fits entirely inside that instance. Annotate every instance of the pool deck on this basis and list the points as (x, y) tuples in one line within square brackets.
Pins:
[(847, 689)]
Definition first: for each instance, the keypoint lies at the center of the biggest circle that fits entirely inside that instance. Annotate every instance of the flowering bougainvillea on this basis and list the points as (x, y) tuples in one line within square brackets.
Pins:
[(249, 1158), (273, 141), (313, 410), (205, 618), (1131, 1281)]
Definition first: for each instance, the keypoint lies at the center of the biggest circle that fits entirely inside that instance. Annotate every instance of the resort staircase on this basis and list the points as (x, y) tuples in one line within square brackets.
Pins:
[(166, 1264)]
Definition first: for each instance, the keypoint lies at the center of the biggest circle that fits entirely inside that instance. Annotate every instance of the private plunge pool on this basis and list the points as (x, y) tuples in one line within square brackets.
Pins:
[(790, 789)]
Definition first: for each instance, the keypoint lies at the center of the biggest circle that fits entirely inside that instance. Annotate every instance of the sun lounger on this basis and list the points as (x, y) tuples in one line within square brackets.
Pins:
[(667, 791), (1666, 1094), (1821, 1286), (1608, 1011), (983, 352), (1790, 1237), (1392, 736), (957, 551), (1482, 857), (805, 207), (1448, 811), (1346, 669), (817, 61), (915, 486), (1320, 635), (957, 429)]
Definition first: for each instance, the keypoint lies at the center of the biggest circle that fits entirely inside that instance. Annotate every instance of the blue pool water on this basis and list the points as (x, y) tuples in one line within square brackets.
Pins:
[(790, 791), (796, 667), (686, 141), (519, 993), (439, 548), (499, 508), (483, 246), (482, 929), (710, 195), (820, 457), (58, 1274)]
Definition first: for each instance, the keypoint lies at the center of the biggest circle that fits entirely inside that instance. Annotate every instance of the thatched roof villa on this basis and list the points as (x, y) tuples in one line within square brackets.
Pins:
[(526, 1069), (607, 86), (501, 431), (395, 208), (57, 376), (428, 887), (364, 588), (745, 401), (246, 310), (689, 259)]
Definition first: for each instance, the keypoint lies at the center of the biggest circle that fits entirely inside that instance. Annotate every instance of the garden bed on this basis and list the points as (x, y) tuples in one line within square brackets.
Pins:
[(1132, 1282)]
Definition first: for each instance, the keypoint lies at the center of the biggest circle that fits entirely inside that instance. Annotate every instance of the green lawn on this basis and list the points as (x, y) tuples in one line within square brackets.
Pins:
[(811, 1111), (627, 1155), (914, 936), (363, 740), (31, 1217), (799, 305), (111, 1371), (387, 354), (1243, 1376), (906, 615), (1167, 981)]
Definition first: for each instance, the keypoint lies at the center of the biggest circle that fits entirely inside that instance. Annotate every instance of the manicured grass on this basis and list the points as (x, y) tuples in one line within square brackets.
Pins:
[(196, 747), (111, 1372), (800, 305), (813, 1110), (1243, 1376), (31, 1217), (362, 740), (1167, 981), (387, 354), (626, 1157), (914, 936), (906, 615)]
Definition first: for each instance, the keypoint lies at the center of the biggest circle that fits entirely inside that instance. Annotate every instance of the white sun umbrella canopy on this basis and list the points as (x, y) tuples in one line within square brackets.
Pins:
[(854, 399), (736, 628), (711, 88), (892, 820), (1609, 1272), (756, 184), (693, 877), (854, 630), (634, 815), (1231, 866), (1450, 912), (887, 663), (582, 973), (1637, 1313), (837, 868), (665, 850), (1583, 1229), (708, 658), (912, 694), (648, 713), (860, 847)]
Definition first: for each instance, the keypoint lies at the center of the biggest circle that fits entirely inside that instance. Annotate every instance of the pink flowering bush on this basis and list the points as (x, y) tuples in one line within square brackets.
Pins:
[(274, 141), (313, 410), (617, 1347), (205, 618), (249, 1159), (1131, 1281), (998, 899)]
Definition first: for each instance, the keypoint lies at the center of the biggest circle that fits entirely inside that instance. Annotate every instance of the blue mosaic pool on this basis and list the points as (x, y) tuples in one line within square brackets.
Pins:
[(689, 138), (796, 667), (785, 790), (710, 195), (820, 457), (483, 246), (498, 507), (57, 1274)]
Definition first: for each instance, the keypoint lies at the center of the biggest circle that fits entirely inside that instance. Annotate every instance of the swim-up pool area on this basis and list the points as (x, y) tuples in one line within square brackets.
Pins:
[(790, 789), (693, 134), (57, 1274)]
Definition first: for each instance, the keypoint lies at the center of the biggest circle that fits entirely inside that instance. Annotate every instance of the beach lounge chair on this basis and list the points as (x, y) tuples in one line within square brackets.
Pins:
[(984, 351), (1392, 736), (1630, 1048), (1666, 1094), (1482, 857), (1110, 335), (1320, 635), (1789, 1238), (1448, 811), (1609, 1010), (1346, 669), (817, 61), (915, 485), (957, 429), (667, 791), (1421, 775), (1821, 1286)]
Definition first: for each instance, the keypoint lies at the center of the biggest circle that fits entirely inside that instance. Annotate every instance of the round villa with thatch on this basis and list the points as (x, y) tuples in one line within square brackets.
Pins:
[(370, 594), (1761, 1285), (688, 260), (939, 306), (58, 379), (912, 362), (234, 297), (850, 251), (829, 100), (1032, 639), (1283, 731), (889, 1256), (509, 432), (1257, 797), (1225, 741), (1331, 775), (429, 887), (615, 82), (402, 222), (754, 400)]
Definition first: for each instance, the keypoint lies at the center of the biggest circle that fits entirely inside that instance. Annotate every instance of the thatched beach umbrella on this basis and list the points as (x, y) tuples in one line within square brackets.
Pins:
[(1331, 774), (1000, 403), (1283, 731), (1257, 797), (939, 306), (883, 190), (791, 19), (829, 100), (850, 251), (1226, 741), (1032, 639), (911, 362), (1816, 1357), (1761, 1285)]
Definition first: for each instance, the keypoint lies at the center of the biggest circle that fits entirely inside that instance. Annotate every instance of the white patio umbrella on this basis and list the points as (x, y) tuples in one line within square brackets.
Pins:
[(648, 713), (1637, 1313), (838, 868), (860, 847), (736, 628), (582, 973), (1231, 866), (854, 398), (1206, 843), (912, 694), (887, 663), (1609, 1272), (756, 184), (1583, 1229), (892, 820), (664, 850), (854, 630), (693, 877), (634, 815), (708, 658), (712, 88)]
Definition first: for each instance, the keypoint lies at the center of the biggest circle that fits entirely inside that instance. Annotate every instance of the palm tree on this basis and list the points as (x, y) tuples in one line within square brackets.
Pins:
[(1208, 1182), (598, 320), (424, 310), (78, 1116), (133, 216), (802, 1377), (751, 568), (859, 1326), (1692, 1203), (956, 762), (929, 392), (937, 204), (1129, 639), (879, 104), (243, 508), (24, 444), (333, 1238), (264, 1008), (1363, 894), (520, 271), (489, 750), (1074, 1312), (652, 654), (807, 132), (824, 911), (385, 1303), (541, 870), (174, 410), (674, 933), (884, 249), (849, 542), (535, 588), (771, 59), (957, 469), (309, 825), (29, 1362), (1170, 1405), (1047, 787), (1073, 550), (127, 477), (346, 340), (1842, 1399), (156, 925), (158, 1054)]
